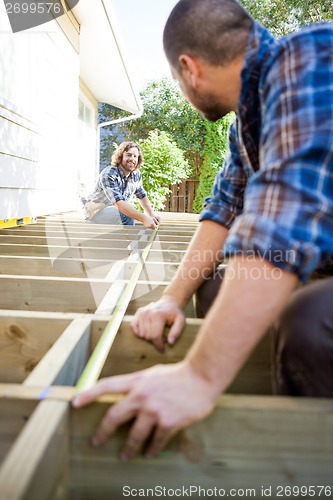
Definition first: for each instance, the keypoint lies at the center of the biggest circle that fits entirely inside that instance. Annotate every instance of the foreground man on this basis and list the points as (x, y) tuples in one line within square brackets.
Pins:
[(271, 212)]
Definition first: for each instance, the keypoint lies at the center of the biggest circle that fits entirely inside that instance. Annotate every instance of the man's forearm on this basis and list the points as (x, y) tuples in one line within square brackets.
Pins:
[(144, 202), (202, 257), (251, 297), (127, 209)]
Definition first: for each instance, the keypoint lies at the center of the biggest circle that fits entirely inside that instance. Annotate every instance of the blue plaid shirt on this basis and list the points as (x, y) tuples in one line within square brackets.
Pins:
[(275, 190), (113, 186)]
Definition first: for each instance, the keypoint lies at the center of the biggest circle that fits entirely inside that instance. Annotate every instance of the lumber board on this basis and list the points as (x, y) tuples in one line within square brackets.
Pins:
[(130, 354), (23, 343), (65, 360), (153, 271), (34, 237), (36, 467), (14, 414), (20, 393), (118, 271), (170, 246), (172, 255), (146, 292), (70, 294), (64, 251), (60, 267), (81, 268), (52, 351), (37, 294), (96, 362), (233, 448), (83, 253), (69, 241), (57, 293)]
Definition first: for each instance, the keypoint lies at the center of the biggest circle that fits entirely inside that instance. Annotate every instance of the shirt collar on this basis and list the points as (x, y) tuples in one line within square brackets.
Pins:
[(260, 45), (122, 175)]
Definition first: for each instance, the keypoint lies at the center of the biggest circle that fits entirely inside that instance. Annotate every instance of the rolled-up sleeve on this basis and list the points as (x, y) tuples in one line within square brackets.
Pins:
[(139, 191), (287, 216), (110, 184)]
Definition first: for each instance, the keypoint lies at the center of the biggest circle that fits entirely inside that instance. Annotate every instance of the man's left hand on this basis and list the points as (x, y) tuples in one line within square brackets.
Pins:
[(162, 399)]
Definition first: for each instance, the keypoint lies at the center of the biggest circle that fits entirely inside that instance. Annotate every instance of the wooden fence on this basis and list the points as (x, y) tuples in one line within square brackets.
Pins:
[(182, 196)]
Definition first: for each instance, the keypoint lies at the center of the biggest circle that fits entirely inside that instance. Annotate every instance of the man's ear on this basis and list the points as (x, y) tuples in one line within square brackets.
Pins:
[(190, 67)]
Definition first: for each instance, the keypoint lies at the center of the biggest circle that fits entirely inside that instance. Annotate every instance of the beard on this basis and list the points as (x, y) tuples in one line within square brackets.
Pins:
[(208, 105), (128, 166)]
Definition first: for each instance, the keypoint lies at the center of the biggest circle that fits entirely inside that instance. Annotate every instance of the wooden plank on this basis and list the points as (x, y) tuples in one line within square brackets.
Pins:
[(38, 294), (65, 251), (96, 362), (117, 273), (66, 268), (61, 295), (79, 226), (14, 414), (64, 362), (190, 196), (78, 232), (168, 245), (248, 442), (130, 354), (181, 196), (163, 235), (167, 203), (174, 256), (23, 343), (18, 393), (174, 201), (36, 466), (153, 271), (56, 241), (146, 292)]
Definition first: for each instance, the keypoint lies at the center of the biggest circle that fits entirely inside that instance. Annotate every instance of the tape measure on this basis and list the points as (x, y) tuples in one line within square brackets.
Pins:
[(96, 361)]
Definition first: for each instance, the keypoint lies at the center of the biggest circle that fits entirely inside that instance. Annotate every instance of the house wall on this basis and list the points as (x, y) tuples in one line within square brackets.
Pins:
[(87, 151), (39, 124)]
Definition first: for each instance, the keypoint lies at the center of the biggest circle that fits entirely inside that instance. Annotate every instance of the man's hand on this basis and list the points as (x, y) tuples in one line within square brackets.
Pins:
[(155, 398), (149, 322), (156, 218), (148, 222)]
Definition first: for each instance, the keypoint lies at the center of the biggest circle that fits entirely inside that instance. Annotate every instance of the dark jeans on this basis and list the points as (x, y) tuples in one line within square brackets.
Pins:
[(303, 338)]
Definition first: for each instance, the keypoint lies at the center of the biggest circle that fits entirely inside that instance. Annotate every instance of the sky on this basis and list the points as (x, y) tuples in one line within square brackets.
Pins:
[(141, 24)]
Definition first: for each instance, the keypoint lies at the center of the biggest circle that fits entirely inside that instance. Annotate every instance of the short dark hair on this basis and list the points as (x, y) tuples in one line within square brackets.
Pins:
[(117, 156), (214, 30)]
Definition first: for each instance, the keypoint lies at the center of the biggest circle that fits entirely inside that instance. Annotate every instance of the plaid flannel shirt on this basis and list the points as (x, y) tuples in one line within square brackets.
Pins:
[(113, 186), (275, 190)]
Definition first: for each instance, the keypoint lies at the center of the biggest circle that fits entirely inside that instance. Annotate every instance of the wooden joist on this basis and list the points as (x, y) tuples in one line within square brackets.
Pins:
[(60, 280)]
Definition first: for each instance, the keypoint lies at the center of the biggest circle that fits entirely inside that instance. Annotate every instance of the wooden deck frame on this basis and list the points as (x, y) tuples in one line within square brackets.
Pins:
[(251, 441)]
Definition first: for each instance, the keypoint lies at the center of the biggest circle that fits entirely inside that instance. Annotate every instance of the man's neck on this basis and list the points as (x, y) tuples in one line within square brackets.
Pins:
[(126, 174)]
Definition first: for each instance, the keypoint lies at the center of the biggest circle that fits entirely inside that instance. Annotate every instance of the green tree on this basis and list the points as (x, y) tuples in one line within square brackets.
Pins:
[(164, 164), (165, 109), (280, 17), (283, 17), (214, 153)]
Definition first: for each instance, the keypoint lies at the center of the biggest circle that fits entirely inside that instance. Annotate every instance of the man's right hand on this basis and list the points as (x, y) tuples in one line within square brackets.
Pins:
[(148, 222), (149, 322)]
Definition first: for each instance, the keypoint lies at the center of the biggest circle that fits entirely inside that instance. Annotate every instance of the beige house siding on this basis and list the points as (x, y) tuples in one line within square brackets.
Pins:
[(38, 121), (52, 78), (87, 128)]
